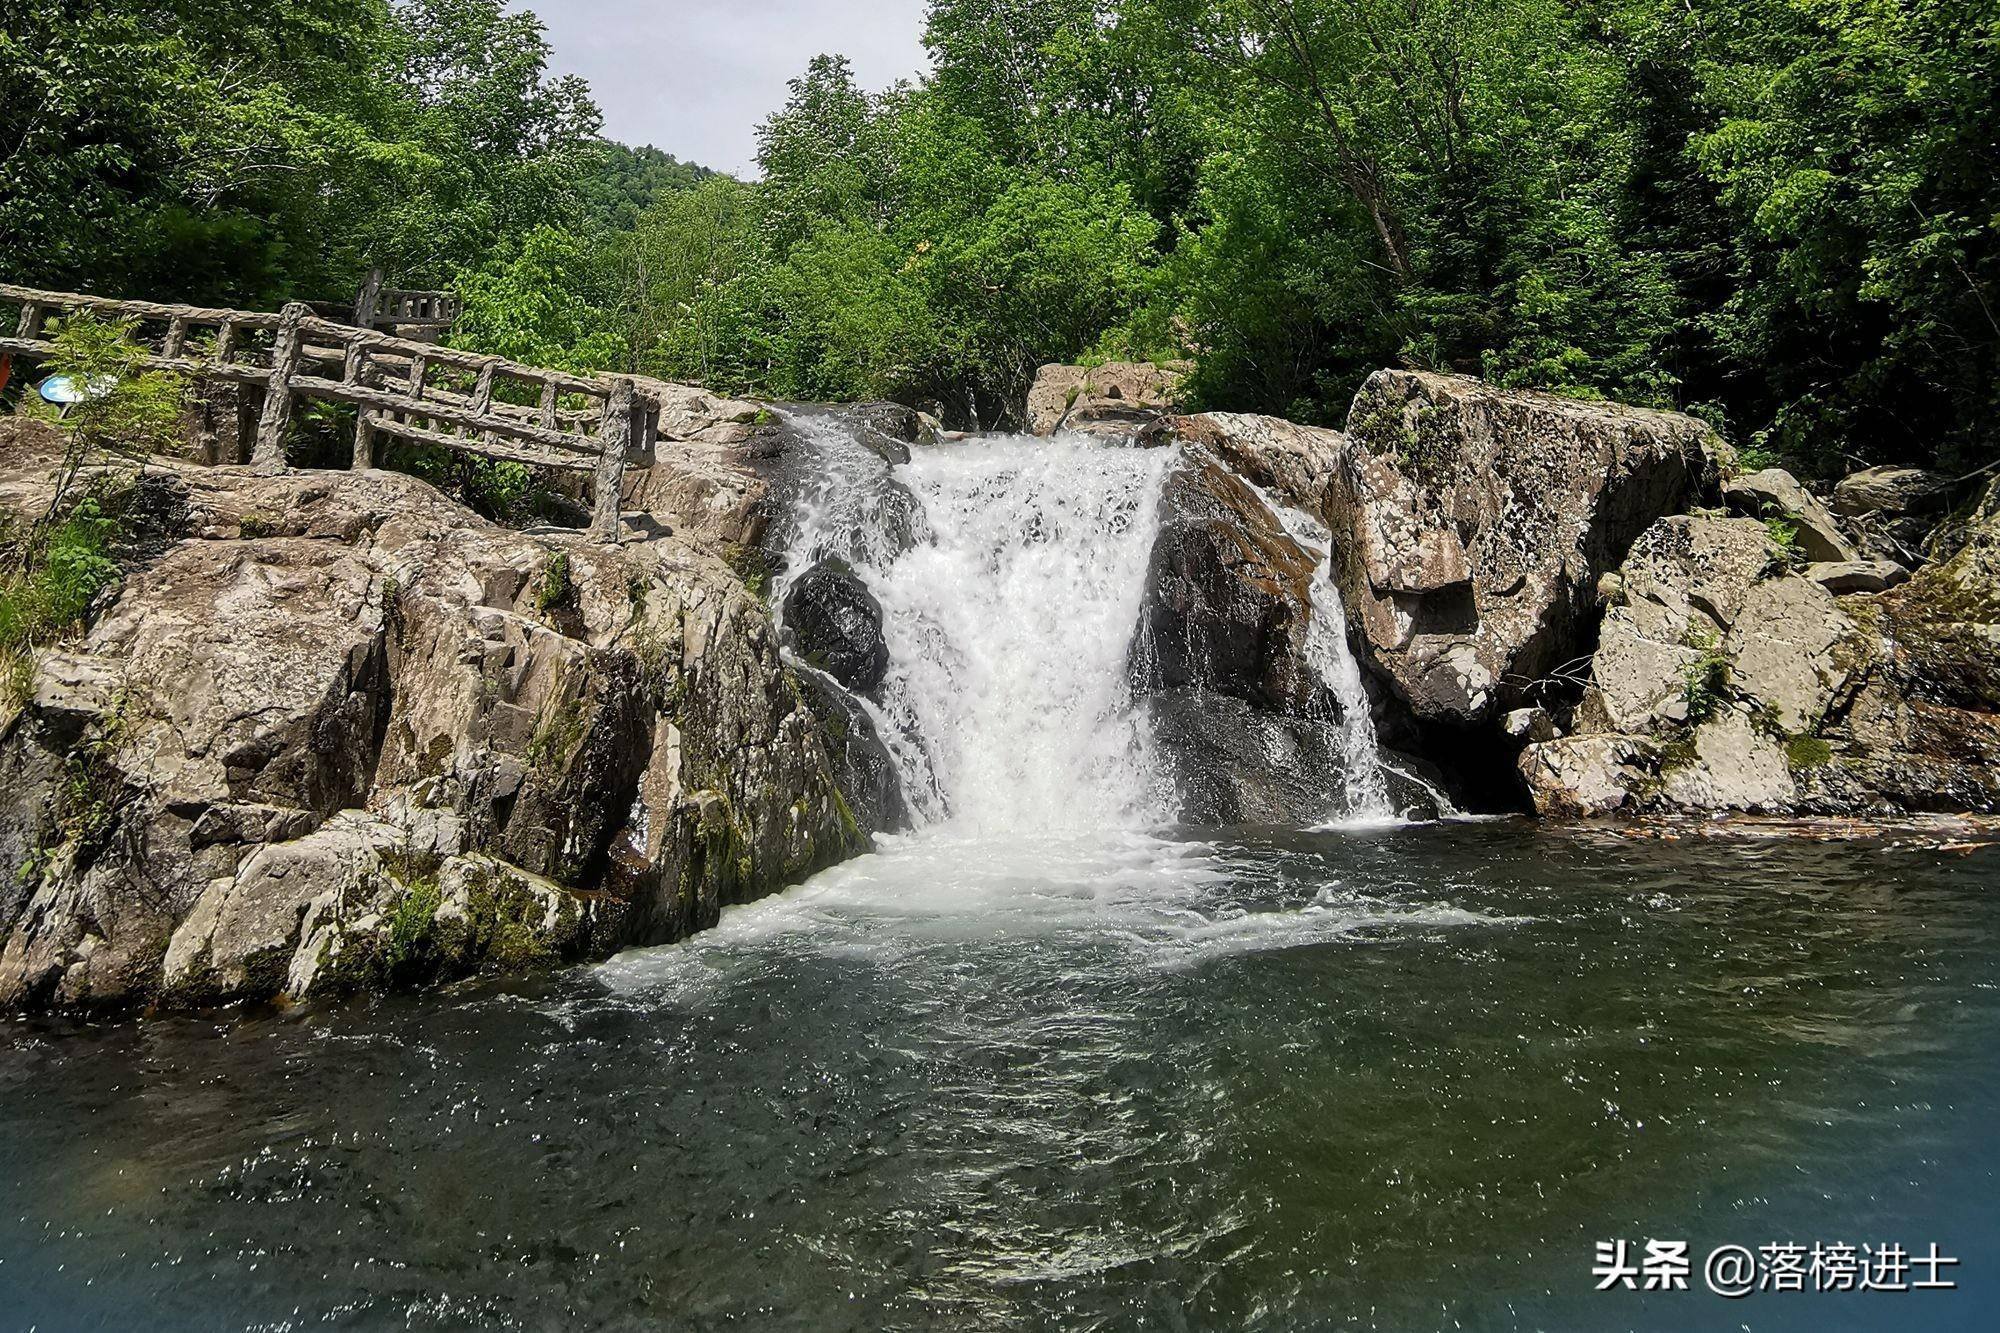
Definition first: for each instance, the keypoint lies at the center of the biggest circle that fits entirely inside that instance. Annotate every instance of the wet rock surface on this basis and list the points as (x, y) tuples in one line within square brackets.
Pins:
[(836, 625)]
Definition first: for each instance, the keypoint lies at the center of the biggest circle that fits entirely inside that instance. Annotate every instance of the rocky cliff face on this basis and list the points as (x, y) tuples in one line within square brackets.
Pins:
[(335, 732), (1595, 591), (1477, 523), (1732, 678), (1470, 527)]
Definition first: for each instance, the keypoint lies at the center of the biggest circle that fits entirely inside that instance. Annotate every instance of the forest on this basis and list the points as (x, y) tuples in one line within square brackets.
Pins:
[(1780, 215)]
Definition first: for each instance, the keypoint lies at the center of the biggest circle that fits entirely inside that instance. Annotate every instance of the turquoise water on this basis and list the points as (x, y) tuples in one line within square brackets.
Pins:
[(1400, 1079)]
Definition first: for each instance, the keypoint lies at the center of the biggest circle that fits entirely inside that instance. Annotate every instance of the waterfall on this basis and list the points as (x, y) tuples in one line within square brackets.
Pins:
[(1333, 661), (1009, 620), (1012, 573)]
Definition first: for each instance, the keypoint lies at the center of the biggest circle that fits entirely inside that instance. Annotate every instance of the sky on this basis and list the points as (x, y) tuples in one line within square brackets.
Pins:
[(696, 77)]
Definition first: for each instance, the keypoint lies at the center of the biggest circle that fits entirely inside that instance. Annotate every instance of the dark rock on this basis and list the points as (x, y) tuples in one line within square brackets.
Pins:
[(861, 763), (1228, 597), (892, 422), (1234, 764), (835, 624)]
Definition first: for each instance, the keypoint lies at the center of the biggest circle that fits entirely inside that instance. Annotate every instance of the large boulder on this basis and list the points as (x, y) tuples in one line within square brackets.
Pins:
[(1229, 658), (1779, 695), (835, 624), (337, 705), (1474, 524), (1228, 596), (1119, 397), (1675, 598)]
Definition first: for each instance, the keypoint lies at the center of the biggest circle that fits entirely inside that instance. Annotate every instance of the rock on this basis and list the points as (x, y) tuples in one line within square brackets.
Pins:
[(861, 762), (211, 782), (1775, 493), (1582, 776), (1734, 766), (1681, 588), (1916, 726), (1228, 598), (1857, 576), (1784, 653), (1225, 658), (836, 624), (1795, 700), (1892, 491), (1892, 511), (892, 421), (1119, 397), (1530, 726), (1233, 764), (1475, 524), (402, 916), (1294, 463), (239, 941)]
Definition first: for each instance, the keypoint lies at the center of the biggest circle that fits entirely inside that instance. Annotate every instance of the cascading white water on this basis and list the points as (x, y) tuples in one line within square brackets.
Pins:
[(1009, 622), (1011, 574), (1333, 661)]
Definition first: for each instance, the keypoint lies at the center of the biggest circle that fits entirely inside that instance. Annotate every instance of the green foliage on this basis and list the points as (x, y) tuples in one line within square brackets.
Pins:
[(1808, 752), (412, 923), (45, 595), (555, 592), (246, 153), (541, 300), (750, 566), (1784, 536), (1781, 215), (127, 409), (1705, 679)]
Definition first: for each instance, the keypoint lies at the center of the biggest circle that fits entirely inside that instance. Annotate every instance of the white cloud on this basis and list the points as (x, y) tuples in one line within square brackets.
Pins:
[(696, 77)]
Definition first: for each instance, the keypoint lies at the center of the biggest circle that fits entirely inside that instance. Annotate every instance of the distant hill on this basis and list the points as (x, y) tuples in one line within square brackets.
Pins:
[(619, 182)]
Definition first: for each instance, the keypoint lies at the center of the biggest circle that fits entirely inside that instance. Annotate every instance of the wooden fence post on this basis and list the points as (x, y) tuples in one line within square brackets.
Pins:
[(269, 455), (616, 437), (353, 370), (364, 300)]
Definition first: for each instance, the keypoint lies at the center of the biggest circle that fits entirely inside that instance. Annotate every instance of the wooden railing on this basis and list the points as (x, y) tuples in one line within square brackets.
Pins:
[(399, 388), (422, 316)]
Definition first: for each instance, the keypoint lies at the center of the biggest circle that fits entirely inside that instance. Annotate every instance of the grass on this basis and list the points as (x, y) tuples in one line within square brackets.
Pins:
[(555, 592), (46, 595), (1705, 681)]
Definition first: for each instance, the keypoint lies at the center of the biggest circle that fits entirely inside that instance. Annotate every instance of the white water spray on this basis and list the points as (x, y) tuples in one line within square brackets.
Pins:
[(1011, 574)]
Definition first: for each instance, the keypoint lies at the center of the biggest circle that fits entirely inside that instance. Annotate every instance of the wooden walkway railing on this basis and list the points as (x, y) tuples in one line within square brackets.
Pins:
[(399, 388)]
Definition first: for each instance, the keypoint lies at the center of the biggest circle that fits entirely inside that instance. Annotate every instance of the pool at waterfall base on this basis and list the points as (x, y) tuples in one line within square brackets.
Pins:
[(1399, 1078)]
